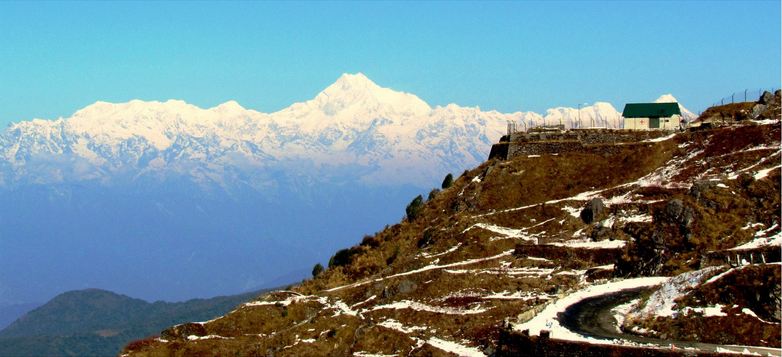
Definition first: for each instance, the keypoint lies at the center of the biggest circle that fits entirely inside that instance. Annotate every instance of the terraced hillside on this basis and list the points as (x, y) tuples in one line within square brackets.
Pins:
[(695, 216)]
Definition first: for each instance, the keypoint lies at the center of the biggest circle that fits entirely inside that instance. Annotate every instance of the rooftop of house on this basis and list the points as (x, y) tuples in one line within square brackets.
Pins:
[(651, 110)]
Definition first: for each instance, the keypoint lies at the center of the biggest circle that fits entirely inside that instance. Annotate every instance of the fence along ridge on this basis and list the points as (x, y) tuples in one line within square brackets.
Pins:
[(746, 95)]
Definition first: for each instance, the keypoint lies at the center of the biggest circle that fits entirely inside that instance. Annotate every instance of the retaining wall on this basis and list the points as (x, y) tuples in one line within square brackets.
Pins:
[(512, 343), (575, 140)]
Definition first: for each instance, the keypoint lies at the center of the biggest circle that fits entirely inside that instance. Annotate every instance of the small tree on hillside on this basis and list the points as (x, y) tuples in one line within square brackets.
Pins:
[(432, 194), (447, 181), (414, 208), (316, 270)]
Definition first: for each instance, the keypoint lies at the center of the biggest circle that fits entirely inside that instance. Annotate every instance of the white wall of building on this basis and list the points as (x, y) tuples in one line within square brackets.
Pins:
[(671, 123)]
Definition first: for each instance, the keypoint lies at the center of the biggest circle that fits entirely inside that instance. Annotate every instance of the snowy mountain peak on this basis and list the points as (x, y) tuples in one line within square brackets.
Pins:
[(230, 106), (354, 94), (101, 110), (351, 84), (354, 80), (666, 98), (669, 98)]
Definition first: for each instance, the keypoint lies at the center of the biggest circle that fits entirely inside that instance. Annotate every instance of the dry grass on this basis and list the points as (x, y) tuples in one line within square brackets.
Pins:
[(733, 111), (478, 196)]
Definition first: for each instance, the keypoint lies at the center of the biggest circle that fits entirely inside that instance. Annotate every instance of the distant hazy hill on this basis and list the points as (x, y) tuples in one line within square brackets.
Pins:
[(96, 322), (9, 313)]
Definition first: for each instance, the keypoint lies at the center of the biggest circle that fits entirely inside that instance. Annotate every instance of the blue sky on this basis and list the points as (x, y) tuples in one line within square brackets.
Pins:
[(57, 57)]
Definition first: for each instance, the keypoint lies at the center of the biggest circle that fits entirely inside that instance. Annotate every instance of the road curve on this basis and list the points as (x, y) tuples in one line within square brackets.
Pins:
[(592, 317)]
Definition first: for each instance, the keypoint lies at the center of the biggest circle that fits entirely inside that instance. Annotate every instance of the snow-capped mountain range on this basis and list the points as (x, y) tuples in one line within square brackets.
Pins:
[(204, 202), (395, 137)]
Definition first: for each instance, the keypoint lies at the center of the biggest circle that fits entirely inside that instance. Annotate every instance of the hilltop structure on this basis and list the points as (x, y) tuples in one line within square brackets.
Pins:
[(643, 123), (552, 141), (652, 116)]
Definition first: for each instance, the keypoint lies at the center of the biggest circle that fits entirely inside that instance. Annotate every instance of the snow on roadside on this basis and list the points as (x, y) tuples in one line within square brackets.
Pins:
[(417, 306), (621, 311), (398, 326), (208, 337), (641, 218), (520, 233), (573, 211), (444, 266), (583, 196), (720, 275), (588, 244), (662, 176), (367, 354), (373, 297), (291, 299), (619, 200), (343, 308), (734, 175), (453, 347), (450, 250), (421, 270), (734, 352), (547, 319), (728, 271), (504, 271), (765, 121), (751, 225), (660, 139), (747, 311), (340, 307), (519, 295), (707, 311), (661, 302), (762, 239), (538, 259), (209, 321), (763, 173)]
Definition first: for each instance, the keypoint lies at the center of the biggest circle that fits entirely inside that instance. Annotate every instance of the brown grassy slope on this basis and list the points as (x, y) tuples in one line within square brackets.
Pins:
[(741, 293), (397, 266), (728, 112), (525, 181), (714, 212)]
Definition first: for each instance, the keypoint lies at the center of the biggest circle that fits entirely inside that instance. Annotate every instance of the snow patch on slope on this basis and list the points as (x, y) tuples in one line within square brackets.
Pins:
[(548, 320), (662, 301)]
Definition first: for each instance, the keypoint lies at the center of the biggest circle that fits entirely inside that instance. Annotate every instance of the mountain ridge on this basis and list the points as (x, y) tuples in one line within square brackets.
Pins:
[(353, 120)]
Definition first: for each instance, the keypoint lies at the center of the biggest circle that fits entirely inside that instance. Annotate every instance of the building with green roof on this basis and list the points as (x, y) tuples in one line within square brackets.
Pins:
[(652, 116)]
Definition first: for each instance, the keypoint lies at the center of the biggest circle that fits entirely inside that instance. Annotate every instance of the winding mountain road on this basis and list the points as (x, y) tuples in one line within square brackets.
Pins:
[(593, 317)]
